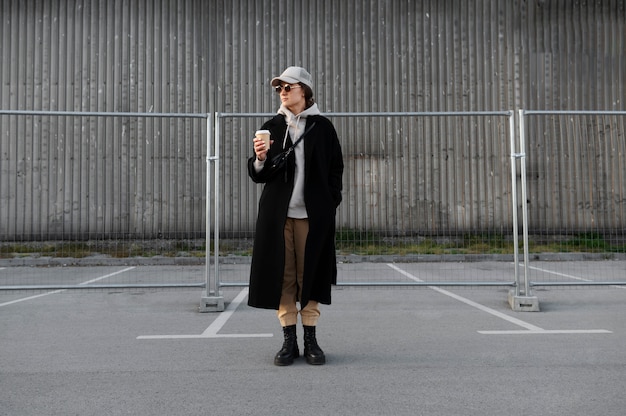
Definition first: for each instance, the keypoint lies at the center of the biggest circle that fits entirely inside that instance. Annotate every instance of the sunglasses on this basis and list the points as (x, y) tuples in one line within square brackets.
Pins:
[(287, 88)]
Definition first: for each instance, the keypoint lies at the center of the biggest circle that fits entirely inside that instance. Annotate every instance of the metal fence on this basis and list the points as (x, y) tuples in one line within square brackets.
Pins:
[(403, 191), (576, 179), (105, 189), (418, 187), (436, 190)]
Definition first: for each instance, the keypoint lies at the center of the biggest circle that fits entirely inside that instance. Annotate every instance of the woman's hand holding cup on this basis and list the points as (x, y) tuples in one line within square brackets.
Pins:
[(262, 144)]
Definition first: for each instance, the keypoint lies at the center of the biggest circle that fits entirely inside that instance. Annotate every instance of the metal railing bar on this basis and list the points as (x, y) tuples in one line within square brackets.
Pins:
[(109, 286), (101, 114), (397, 284), (574, 112), (536, 284), (457, 284), (382, 114)]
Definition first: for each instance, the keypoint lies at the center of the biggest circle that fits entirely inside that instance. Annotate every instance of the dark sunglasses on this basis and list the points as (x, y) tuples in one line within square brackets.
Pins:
[(287, 88)]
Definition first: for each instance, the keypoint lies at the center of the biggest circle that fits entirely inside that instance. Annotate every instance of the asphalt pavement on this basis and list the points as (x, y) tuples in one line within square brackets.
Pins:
[(390, 351)]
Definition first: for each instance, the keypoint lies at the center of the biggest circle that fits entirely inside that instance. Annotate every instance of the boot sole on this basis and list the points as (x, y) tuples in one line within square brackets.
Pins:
[(316, 361), (287, 361)]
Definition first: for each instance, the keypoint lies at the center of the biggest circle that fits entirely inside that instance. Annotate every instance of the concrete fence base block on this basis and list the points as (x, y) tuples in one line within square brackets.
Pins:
[(521, 303), (211, 303)]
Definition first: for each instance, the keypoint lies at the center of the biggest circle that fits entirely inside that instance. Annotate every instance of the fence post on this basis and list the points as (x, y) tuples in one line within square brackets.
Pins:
[(520, 300), (212, 299)]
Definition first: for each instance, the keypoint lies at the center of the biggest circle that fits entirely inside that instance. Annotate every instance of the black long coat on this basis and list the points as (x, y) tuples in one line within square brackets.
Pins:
[(322, 195)]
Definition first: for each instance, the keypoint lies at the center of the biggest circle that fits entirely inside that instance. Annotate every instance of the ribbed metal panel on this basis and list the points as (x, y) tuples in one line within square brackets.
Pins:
[(575, 55), (87, 177), (577, 175), (448, 175), (373, 55), (80, 177)]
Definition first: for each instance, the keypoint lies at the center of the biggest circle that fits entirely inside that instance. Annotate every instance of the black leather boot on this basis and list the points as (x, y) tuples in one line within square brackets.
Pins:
[(312, 352), (290, 347)]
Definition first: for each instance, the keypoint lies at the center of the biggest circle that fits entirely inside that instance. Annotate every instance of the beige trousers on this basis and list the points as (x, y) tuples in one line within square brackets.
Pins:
[(296, 231)]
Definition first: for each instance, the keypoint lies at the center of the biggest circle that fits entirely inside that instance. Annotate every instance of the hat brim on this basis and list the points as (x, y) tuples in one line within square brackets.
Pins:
[(276, 81)]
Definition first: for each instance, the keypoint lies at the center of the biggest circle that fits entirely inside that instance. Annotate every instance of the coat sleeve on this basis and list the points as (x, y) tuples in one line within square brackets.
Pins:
[(257, 177), (336, 169)]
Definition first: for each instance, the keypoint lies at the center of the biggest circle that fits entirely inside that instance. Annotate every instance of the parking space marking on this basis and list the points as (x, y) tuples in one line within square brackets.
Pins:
[(547, 332), (569, 276), (106, 276), (30, 298), (64, 290), (529, 328), (216, 325)]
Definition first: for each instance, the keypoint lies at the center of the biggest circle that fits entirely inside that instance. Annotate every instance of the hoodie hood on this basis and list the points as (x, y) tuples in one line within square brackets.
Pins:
[(311, 111), (294, 121)]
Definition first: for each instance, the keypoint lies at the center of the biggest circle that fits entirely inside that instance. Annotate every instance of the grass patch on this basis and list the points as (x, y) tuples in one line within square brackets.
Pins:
[(581, 243), (108, 248), (363, 243), (348, 242)]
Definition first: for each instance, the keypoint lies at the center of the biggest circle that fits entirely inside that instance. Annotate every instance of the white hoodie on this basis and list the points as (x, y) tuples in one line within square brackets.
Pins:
[(295, 126)]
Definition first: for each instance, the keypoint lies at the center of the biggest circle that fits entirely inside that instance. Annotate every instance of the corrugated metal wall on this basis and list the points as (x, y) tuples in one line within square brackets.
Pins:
[(93, 177), (84, 177), (577, 174)]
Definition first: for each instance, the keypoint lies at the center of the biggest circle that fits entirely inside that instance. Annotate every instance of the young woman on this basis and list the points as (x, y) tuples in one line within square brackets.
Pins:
[(293, 259)]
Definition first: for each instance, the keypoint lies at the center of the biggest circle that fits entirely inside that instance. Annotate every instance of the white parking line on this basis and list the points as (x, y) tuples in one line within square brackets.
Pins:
[(30, 298), (530, 328), (569, 276), (216, 326), (106, 276), (63, 290), (547, 332)]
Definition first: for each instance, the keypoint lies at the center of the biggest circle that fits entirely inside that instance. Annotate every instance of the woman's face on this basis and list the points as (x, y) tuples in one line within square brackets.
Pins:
[(292, 97)]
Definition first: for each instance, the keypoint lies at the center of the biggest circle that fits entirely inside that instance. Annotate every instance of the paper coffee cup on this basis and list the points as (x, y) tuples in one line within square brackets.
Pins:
[(265, 136)]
